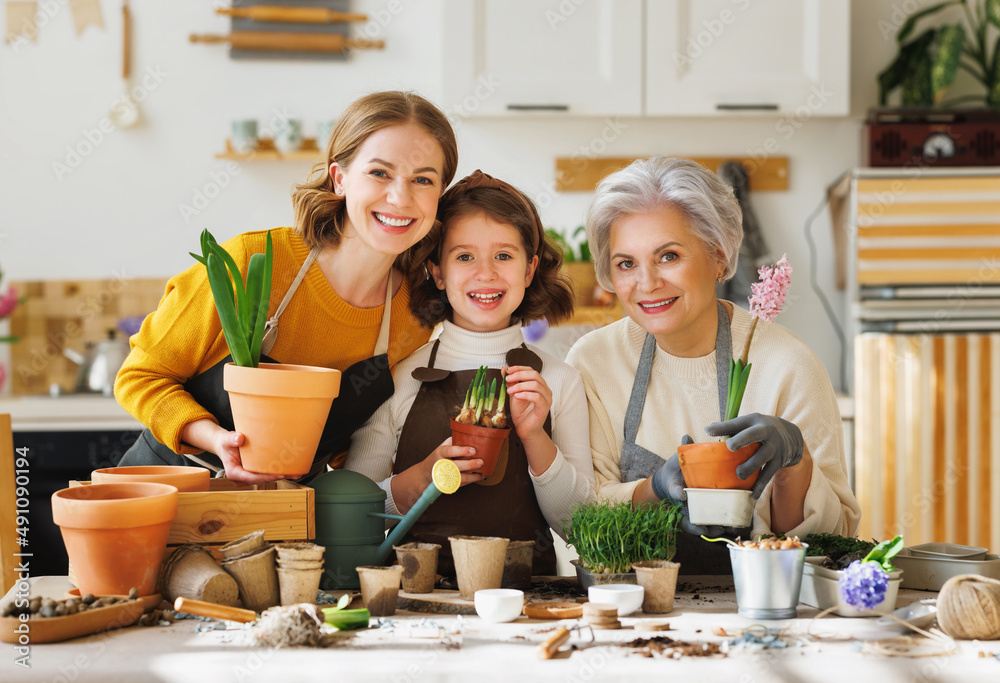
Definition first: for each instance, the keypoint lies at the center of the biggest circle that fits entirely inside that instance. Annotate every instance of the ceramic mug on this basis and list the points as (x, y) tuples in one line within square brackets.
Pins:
[(288, 135), (244, 135), (323, 131)]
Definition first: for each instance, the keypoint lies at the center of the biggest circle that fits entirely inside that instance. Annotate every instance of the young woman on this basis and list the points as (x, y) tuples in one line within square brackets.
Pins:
[(339, 297), (490, 270)]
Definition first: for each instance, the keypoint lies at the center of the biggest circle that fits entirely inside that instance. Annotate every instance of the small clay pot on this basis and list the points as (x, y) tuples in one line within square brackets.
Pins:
[(300, 564), (299, 551), (115, 534), (517, 565), (713, 466), (380, 589), (184, 478), (419, 562), (192, 572), (479, 562), (243, 546), (659, 581), (257, 578), (488, 442), (298, 585)]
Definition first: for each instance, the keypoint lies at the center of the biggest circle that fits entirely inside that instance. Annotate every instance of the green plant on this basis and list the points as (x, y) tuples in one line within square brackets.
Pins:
[(570, 254), (926, 65), (478, 406), (610, 537), (242, 309)]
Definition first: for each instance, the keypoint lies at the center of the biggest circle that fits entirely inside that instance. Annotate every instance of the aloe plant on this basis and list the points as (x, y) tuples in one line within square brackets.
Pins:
[(927, 64), (242, 308), (478, 406)]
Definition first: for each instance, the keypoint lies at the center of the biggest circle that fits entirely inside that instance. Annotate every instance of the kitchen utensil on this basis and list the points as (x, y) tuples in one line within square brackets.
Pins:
[(99, 364), (625, 596), (767, 581), (276, 41), (349, 520), (297, 15), (499, 605), (125, 112), (56, 629)]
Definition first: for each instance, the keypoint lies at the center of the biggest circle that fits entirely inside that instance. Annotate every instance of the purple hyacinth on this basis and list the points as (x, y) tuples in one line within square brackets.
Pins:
[(863, 585)]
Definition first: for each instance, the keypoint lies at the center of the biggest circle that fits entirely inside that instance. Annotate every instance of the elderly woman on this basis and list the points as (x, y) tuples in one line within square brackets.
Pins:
[(663, 232)]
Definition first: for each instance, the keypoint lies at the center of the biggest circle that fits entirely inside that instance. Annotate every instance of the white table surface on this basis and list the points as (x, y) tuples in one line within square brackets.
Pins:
[(492, 652)]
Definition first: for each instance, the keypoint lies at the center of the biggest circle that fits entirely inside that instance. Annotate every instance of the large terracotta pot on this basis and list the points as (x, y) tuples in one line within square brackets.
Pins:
[(184, 478), (488, 442), (713, 466), (115, 534), (281, 411)]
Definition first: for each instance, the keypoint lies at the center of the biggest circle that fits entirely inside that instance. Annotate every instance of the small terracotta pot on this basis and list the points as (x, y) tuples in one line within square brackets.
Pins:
[(380, 589), (115, 534), (659, 581), (184, 478), (419, 562), (713, 466), (517, 565), (479, 562), (488, 442), (281, 411)]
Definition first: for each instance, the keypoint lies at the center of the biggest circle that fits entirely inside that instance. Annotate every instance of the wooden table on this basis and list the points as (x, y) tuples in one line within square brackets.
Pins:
[(474, 650)]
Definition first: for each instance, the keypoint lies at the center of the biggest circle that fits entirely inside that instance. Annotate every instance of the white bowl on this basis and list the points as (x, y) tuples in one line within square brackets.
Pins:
[(627, 597), (499, 605), (720, 507)]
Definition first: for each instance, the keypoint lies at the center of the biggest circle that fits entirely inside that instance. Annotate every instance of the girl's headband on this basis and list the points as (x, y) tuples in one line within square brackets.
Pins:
[(478, 179)]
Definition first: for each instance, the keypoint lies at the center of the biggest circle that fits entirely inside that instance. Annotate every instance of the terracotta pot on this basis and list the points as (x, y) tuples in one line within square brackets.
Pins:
[(281, 411), (115, 534), (713, 466), (488, 442), (184, 478)]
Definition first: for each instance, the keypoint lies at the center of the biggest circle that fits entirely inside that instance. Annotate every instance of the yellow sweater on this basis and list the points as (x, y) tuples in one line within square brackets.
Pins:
[(183, 337)]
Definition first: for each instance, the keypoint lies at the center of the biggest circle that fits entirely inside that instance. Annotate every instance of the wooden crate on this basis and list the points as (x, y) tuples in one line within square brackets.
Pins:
[(286, 511)]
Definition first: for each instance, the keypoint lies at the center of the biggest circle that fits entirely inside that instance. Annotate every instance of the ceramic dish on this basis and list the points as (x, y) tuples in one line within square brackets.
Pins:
[(720, 507), (625, 596), (948, 551), (499, 605), (931, 573), (820, 588), (920, 614), (57, 629)]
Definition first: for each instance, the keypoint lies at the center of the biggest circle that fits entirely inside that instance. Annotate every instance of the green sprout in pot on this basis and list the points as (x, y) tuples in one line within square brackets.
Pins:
[(478, 408), (611, 537), (242, 308)]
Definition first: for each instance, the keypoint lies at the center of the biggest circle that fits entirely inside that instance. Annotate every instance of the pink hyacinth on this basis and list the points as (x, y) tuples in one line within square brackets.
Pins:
[(769, 294), (8, 302)]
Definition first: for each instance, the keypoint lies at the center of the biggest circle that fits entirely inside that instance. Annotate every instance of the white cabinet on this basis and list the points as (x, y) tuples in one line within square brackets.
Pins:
[(508, 57), (708, 57)]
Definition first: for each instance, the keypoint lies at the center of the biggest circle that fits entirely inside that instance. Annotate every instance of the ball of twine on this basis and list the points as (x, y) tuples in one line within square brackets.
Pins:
[(968, 607)]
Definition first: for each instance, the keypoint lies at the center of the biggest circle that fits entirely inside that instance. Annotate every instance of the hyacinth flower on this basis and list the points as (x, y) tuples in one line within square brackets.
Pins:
[(765, 304), (864, 583)]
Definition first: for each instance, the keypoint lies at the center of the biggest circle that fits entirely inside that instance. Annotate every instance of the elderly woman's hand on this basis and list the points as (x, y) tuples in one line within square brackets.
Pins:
[(668, 484), (781, 444)]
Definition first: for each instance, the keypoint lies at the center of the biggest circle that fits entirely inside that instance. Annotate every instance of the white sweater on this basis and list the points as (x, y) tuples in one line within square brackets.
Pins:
[(568, 481), (787, 380)]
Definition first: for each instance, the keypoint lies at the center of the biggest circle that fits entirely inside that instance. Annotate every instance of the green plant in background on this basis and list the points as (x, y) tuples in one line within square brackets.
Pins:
[(610, 537), (242, 309), (927, 62), (571, 254)]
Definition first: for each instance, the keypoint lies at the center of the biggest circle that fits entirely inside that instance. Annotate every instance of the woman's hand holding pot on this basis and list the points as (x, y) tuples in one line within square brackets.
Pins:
[(530, 401), (463, 457), (668, 484), (781, 444)]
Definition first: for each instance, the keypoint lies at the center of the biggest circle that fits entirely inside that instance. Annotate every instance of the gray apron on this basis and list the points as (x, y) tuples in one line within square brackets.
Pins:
[(695, 555), (364, 386)]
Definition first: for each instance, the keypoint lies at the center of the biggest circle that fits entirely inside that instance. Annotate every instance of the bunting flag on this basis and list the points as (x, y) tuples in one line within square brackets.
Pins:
[(21, 18), (86, 13)]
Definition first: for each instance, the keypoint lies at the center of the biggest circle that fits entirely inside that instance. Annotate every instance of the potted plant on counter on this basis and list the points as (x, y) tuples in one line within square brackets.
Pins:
[(280, 409), (481, 425), (611, 537)]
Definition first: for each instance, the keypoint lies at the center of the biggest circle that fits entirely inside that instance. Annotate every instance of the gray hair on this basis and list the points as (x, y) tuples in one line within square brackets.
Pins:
[(651, 184)]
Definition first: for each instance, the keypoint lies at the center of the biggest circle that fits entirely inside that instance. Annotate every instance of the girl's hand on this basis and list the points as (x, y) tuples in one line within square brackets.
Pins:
[(227, 447), (530, 401), (463, 457)]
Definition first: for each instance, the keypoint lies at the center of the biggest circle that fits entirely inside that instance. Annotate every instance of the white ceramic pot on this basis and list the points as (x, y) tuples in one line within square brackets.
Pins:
[(720, 507), (499, 605), (820, 588), (626, 597)]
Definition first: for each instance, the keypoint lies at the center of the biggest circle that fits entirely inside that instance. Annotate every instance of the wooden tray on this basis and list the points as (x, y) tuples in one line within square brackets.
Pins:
[(57, 629), (553, 610)]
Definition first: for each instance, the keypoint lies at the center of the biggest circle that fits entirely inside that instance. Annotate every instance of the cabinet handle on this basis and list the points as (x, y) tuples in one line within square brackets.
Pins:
[(747, 107), (538, 107)]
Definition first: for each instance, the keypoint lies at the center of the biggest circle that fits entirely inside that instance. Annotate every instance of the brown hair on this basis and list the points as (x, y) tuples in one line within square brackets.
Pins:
[(550, 294), (320, 214)]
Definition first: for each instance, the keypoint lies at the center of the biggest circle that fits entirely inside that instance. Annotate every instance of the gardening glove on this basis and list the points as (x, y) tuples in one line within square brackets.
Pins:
[(668, 484), (780, 441)]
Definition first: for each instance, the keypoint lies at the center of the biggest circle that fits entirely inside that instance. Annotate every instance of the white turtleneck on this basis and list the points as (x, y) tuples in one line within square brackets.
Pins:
[(568, 481)]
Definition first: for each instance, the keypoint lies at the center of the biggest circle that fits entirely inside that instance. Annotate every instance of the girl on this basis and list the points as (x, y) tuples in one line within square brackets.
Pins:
[(490, 270), (336, 274)]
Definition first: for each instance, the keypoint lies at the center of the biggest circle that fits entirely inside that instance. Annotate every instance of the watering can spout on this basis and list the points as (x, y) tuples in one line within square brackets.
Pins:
[(445, 478)]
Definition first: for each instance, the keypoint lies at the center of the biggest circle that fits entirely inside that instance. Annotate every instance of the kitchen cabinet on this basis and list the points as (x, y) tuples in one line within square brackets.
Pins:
[(509, 57), (719, 57), (646, 57)]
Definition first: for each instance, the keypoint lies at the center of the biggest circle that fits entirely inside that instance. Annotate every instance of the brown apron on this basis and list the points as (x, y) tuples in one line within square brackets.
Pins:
[(502, 505)]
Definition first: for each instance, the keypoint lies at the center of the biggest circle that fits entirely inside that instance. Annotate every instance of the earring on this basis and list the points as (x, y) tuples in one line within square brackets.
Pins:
[(718, 279)]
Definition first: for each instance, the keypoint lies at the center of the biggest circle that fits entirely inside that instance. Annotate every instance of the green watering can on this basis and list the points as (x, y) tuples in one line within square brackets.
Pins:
[(350, 514)]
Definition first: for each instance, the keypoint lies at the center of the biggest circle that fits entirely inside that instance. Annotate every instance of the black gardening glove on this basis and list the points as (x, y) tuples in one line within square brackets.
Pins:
[(668, 484), (780, 441)]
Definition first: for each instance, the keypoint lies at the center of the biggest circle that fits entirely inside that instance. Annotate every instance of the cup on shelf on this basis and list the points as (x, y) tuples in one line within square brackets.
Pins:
[(288, 135), (244, 135), (324, 129)]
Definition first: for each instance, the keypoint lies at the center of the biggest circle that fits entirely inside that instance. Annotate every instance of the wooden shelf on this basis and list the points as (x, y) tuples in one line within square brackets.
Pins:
[(596, 315), (265, 151), (574, 174)]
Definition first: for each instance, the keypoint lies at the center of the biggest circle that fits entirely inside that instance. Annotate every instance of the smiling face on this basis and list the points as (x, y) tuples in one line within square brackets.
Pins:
[(484, 271), (665, 278), (392, 188)]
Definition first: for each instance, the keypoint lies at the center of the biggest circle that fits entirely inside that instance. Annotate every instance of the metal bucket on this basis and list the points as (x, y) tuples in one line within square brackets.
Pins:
[(767, 581)]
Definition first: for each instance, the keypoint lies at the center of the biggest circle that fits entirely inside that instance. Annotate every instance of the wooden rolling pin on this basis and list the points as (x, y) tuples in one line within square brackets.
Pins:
[(298, 15), (200, 608), (288, 42)]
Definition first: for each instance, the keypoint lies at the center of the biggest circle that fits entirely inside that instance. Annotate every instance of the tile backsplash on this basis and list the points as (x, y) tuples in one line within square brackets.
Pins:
[(70, 313)]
